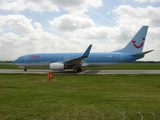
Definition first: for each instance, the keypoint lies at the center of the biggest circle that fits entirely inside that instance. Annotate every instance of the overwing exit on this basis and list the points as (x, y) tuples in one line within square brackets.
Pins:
[(61, 61)]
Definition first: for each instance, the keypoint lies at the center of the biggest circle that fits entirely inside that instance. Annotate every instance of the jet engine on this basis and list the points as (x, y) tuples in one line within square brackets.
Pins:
[(56, 66)]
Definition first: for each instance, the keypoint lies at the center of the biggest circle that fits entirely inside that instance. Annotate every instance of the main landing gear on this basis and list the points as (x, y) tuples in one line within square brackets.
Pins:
[(77, 69), (25, 69)]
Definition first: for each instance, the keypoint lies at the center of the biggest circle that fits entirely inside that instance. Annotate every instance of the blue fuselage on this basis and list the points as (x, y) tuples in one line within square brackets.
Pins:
[(94, 59)]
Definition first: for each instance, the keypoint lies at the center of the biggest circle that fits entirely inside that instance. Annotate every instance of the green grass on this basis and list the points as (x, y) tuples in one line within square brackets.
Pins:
[(127, 66), (8, 66), (32, 96)]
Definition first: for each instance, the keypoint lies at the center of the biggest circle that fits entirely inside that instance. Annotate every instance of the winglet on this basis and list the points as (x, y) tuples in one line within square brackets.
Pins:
[(86, 53)]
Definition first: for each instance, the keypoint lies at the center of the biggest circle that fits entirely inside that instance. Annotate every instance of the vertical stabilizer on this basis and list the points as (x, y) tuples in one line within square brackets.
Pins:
[(137, 42)]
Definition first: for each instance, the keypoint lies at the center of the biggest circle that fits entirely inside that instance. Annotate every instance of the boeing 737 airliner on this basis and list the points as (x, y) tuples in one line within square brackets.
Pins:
[(61, 61)]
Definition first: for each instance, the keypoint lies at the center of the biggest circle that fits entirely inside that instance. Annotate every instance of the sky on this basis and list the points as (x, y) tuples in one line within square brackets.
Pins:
[(50, 26)]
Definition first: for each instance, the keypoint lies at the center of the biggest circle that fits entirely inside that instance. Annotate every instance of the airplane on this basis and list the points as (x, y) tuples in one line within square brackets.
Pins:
[(61, 61)]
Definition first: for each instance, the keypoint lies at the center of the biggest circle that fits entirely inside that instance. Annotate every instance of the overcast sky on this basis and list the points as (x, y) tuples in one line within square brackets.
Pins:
[(49, 26)]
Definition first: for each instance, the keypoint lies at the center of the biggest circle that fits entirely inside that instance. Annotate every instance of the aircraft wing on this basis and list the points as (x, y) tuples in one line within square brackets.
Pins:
[(78, 61), (142, 53)]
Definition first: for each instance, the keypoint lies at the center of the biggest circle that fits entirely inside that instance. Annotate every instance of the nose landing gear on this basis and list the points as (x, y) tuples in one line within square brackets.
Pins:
[(25, 69)]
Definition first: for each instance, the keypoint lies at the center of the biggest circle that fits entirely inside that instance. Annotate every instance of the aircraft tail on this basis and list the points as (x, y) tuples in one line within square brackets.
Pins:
[(137, 42)]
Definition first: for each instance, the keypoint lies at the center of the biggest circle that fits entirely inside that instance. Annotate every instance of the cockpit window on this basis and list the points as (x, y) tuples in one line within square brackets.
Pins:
[(19, 58)]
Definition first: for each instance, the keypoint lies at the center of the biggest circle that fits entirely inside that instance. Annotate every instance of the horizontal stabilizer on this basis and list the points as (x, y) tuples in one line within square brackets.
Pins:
[(142, 53)]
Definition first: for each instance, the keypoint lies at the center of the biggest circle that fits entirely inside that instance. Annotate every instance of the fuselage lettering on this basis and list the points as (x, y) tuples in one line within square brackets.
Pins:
[(35, 57)]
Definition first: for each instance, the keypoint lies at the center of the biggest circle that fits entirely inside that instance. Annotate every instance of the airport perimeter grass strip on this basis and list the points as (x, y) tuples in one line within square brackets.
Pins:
[(32, 96), (127, 66)]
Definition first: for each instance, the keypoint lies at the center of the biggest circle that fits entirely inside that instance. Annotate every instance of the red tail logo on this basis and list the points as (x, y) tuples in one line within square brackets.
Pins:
[(138, 46)]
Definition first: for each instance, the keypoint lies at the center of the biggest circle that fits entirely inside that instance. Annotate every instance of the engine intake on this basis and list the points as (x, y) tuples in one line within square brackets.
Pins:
[(56, 66)]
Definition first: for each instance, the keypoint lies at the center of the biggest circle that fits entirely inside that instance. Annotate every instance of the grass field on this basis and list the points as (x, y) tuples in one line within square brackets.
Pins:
[(33, 97), (127, 66), (8, 66)]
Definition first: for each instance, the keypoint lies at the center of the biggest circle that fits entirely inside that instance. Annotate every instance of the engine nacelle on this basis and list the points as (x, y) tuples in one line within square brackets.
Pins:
[(56, 66)]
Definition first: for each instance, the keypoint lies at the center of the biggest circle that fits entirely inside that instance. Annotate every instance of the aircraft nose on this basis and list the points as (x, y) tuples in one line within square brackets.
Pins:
[(14, 61)]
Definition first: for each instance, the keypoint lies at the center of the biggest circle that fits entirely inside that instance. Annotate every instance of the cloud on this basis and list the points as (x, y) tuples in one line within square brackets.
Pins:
[(78, 5), (137, 16), (37, 25), (13, 5), (151, 1), (41, 6), (21, 5), (16, 23), (71, 22), (49, 5)]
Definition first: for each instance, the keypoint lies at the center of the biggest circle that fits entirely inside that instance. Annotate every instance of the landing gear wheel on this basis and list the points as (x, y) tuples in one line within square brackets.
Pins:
[(77, 69), (25, 69), (74, 70)]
